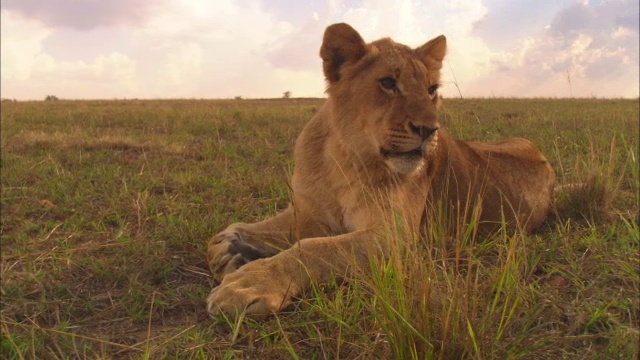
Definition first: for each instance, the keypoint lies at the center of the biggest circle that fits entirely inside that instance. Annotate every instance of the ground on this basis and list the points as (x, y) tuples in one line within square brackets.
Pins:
[(107, 207)]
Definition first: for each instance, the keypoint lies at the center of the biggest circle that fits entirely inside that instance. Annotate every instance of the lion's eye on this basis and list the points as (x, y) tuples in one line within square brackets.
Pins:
[(388, 83), (432, 89)]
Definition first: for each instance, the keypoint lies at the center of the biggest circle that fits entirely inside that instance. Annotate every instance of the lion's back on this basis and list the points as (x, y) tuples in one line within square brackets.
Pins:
[(512, 176)]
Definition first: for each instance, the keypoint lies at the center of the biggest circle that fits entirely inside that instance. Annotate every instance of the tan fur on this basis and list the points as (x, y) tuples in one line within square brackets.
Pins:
[(374, 148)]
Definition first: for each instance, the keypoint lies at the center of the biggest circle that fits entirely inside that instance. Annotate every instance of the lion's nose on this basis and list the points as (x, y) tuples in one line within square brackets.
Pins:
[(426, 131), (423, 131)]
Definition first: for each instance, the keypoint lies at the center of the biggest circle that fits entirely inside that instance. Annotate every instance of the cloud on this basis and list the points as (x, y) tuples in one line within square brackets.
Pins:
[(185, 49), (508, 21), (597, 18), (584, 50), (257, 48), (183, 65), (293, 12), (212, 49), (83, 14), (409, 22), (28, 72), (107, 77), (299, 50), (21, 43)]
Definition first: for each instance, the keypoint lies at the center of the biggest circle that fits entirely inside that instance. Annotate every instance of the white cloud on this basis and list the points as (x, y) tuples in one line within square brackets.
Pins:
[(181, 70), (224, 48), (211, 49), (21, 42), (110, 76), (83, 14), (186, 49), (585, 51), (28, 72), (409, 22)]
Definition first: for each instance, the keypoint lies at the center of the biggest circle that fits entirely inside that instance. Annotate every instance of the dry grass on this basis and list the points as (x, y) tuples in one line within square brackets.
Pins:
[(107, 206)]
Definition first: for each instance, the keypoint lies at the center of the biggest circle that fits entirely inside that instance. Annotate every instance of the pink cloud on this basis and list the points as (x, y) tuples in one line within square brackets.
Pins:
[(82, 14)]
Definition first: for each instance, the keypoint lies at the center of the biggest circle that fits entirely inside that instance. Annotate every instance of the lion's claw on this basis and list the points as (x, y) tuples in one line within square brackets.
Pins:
[(228, 252)]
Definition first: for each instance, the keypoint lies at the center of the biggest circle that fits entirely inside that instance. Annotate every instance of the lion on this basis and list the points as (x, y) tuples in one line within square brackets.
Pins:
[(374, 147)]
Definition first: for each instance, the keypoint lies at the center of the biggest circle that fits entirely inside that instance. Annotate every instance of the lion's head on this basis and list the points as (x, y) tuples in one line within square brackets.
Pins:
[(384, 96)]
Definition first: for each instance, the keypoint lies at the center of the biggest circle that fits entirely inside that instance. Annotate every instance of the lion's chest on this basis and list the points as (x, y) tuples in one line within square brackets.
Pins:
[(355, 214)]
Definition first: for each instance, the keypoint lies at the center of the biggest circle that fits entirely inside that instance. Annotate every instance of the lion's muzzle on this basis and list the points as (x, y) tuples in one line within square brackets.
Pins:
[(426, 132), (429, 142)]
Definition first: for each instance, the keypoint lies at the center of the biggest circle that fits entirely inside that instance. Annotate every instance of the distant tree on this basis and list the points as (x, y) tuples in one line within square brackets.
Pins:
[(51, 98), (238, 98), (286, 94)]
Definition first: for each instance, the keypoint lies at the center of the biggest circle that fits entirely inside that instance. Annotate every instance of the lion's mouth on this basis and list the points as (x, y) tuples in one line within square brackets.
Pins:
[(417, 152)]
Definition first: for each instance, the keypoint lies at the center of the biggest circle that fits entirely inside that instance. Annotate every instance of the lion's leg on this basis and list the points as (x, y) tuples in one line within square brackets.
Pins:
[(269, 285), (241, 243)]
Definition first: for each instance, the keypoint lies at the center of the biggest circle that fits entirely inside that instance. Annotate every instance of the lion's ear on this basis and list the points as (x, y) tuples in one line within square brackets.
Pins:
[(341, 44), (433, 52)]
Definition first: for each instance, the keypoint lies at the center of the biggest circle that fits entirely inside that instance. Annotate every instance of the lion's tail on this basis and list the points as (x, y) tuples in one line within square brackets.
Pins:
[(590, 199)]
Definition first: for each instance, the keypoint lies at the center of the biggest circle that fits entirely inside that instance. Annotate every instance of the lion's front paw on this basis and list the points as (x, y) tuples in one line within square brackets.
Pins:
[(254, 290), (227, 252)]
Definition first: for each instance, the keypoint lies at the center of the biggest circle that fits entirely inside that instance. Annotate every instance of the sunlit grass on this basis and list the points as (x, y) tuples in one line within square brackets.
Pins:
[(107, 207)]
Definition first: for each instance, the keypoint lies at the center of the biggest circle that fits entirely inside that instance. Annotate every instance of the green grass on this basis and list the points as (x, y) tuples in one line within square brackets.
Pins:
[(107, 207)]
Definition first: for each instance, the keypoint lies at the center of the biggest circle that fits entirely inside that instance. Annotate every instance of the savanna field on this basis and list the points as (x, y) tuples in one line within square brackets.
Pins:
[(107, 207)]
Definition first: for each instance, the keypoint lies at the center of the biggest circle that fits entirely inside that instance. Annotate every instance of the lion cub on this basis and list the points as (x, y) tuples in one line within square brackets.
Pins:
[(373, 149)]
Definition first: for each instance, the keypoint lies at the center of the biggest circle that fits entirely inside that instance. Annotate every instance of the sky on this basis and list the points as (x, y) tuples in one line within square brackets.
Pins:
[(96, 49)]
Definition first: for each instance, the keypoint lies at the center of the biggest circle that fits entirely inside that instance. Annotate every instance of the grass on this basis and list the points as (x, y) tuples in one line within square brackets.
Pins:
[(107, 207)]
